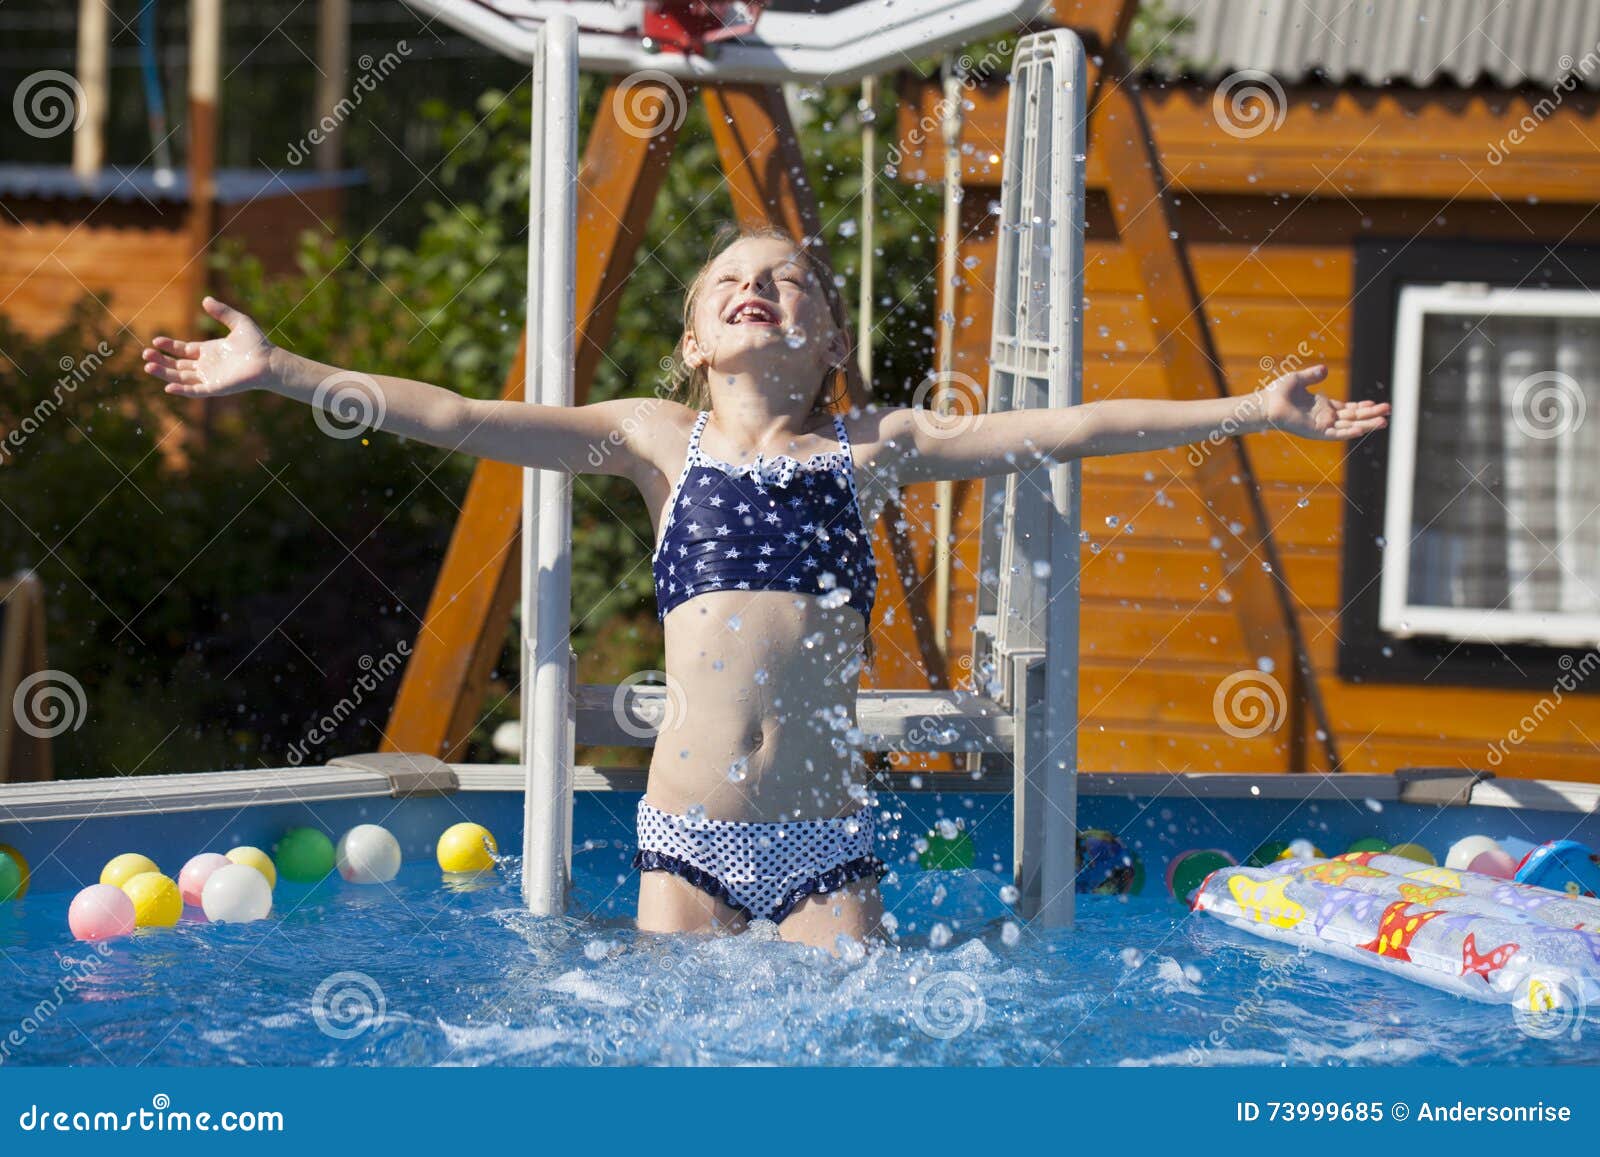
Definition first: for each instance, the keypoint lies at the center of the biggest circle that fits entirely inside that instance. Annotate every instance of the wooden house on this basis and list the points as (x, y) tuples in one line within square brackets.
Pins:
[(1405, 192)]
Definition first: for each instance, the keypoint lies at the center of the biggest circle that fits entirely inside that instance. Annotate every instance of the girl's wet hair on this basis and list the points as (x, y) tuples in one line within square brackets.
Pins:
[(691, 385)]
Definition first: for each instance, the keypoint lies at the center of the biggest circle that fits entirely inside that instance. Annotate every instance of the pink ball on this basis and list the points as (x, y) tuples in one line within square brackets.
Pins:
[(192, 880), (100, 912), (1494, 862)]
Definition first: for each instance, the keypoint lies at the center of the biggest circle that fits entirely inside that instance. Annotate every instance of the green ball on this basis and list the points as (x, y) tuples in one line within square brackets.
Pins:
[(10, 878), (304, 855), (1190, 870), (1368, 844), (1267, 853), (943, 854)]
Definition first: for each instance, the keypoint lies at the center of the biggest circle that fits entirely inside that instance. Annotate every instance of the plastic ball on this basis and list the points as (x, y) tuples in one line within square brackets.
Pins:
[(1413, 852), (1494, 863), (157, 903), (10, 878), (195, 874), (125, 867), (1367, 844), (368, 854), (1106, 866), (1268, 853), (304, 855), (1463, 852), (462, 848), (257, 859), (1188, 870), (22, 862), (100, 912), (236, 894), (947, 852)]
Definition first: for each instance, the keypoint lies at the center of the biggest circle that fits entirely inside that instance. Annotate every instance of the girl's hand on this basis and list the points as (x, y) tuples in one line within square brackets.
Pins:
[(1290, 406), (212, 369)]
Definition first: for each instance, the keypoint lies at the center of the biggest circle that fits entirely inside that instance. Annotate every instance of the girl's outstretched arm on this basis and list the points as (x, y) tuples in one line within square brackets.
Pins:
[(933, 447), (602, 438)]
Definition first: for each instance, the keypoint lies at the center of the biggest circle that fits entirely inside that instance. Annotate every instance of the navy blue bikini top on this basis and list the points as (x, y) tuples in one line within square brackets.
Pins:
[(774, 524)]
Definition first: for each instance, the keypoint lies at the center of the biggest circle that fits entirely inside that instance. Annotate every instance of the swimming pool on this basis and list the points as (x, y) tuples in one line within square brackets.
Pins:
[(430, 972)]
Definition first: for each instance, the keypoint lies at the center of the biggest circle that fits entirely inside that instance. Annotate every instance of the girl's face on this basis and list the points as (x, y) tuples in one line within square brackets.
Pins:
[(760, 311)]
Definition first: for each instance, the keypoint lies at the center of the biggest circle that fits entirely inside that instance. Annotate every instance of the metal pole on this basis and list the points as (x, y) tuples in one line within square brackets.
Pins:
[(547, 691)]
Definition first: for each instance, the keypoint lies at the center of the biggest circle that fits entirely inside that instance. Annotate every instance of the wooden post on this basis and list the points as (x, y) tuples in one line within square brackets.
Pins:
[(24, 755), (1147, 224), (94, 40), (333, 76), (205, 84), (464, 628)]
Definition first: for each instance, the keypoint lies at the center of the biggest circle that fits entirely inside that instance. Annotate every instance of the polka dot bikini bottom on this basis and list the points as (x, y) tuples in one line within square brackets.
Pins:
[(763, 871)]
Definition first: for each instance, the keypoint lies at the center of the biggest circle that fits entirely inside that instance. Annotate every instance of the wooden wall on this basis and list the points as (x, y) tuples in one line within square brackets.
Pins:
[(132, 260), (1273, 265)]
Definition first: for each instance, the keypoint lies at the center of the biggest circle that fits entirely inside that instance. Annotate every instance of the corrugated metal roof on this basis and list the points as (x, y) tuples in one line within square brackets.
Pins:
[(1508, 43), (234, 186)]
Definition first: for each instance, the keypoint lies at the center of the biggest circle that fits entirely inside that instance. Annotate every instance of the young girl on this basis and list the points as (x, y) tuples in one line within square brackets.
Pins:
[(763, 502)]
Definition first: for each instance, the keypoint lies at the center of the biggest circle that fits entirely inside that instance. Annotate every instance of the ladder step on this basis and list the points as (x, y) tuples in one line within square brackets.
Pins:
[(627, 715)]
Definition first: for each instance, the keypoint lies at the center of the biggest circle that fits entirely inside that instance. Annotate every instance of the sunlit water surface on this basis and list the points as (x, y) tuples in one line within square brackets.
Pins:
[(428, 972)]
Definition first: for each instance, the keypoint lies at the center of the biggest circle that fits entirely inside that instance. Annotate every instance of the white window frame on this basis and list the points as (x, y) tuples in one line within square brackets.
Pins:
[(1397, 615)]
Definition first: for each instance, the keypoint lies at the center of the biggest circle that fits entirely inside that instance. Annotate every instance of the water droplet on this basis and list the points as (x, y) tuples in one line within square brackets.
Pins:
[(1010, 933), (739, 771), (1010, 894), (939, 937)]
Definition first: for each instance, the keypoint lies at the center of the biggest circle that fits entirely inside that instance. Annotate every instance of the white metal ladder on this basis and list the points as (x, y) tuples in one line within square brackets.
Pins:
[(1028, 620)]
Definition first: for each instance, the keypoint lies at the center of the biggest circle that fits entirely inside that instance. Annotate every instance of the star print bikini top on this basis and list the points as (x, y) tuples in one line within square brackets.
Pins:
[(774, 524)]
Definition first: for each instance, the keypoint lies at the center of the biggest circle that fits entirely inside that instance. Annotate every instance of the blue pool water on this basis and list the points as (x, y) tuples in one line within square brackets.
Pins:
[(428, 972)]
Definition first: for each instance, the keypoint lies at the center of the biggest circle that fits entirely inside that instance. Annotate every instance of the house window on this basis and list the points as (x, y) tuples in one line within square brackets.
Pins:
[(1492, 521), (1472, 524)]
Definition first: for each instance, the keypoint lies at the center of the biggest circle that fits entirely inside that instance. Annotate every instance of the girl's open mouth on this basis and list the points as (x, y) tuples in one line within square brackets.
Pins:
[(752, 313)]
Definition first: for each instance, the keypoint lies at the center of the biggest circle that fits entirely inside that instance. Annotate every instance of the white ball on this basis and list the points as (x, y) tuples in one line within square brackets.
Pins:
[(236, 894), (1463, 852), (368, 854)]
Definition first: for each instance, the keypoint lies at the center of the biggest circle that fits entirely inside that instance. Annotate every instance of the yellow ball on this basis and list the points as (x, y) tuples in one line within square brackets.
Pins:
[(157, 903), (1413, 852), (257, 859), (461, 848), (125, 867), (22, 862)]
